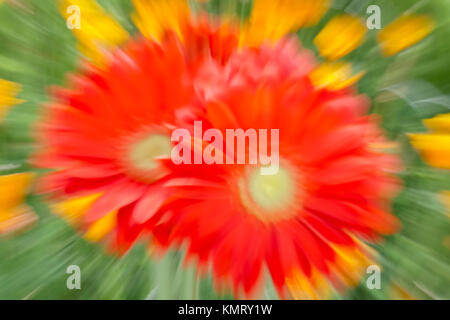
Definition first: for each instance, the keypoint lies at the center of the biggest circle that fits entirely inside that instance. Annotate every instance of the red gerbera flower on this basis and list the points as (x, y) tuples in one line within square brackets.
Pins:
[(107, 134), (333, 183)]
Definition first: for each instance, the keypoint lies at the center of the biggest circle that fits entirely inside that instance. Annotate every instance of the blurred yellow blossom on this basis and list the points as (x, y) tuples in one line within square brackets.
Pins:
[(340, 36), (273, 19), (73, 210), (97, 32), (351, 263), (152, 17), (313, 287), (334, 75), (349, 269), (403, 33), (14, 212), (8, 91), (440, 123), (435, 146)]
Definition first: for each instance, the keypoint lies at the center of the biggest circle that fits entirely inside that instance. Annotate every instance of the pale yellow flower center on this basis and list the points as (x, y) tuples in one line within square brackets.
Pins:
[(143, 152), (139, 156), (271, 197)]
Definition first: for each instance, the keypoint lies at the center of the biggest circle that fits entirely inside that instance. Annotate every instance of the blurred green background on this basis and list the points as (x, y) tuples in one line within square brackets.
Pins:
[(37, 50)]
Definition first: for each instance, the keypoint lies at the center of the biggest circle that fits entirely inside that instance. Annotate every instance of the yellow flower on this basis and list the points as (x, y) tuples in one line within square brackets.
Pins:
[(347, 271), (14, 213), (73, 210), (351, 263), (403, 33), (340, 36), (440, 123), (334, 75), (314, 287), (97, 30), (435, 146), (8, 91), (273, 19), (152, 17)]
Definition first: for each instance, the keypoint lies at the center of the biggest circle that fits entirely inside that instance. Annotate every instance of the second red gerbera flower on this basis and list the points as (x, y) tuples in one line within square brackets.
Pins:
[(333, 181)]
